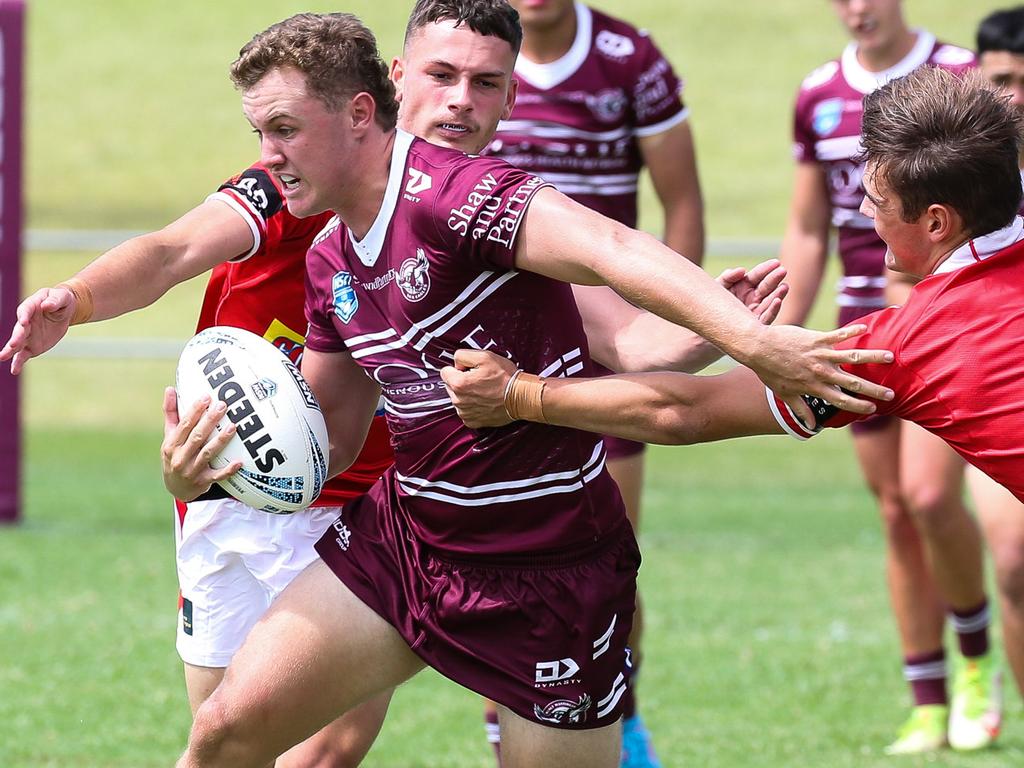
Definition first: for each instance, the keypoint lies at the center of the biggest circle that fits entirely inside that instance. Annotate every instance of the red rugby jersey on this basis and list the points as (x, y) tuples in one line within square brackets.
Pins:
[(958, 369), (263, 291)]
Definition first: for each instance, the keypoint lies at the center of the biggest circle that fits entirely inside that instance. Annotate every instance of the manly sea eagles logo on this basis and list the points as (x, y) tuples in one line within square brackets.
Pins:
[(412, 278), (607, 105), (345, 300), (564, 710), (827, 116)]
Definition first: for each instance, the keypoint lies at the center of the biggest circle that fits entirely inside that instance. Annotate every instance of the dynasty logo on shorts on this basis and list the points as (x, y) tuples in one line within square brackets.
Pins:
[(564, 710), (548, 674)]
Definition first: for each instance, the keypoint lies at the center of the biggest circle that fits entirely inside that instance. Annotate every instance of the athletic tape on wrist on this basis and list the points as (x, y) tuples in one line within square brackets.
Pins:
[(524, 397), (83, 299)]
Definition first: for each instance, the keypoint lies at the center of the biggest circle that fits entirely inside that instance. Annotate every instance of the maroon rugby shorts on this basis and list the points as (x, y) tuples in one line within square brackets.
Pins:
[(544, 636)]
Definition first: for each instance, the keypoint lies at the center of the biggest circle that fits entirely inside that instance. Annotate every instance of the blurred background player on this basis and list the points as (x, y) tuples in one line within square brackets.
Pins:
[(934, 555), (1000, 42), (597, 102)]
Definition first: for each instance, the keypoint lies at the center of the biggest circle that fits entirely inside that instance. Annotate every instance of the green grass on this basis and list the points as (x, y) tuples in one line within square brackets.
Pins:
[(769, 636)]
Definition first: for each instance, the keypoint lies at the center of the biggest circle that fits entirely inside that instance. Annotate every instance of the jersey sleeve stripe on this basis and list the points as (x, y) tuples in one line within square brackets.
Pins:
[(653, 130), (787, 419), (254, 221)]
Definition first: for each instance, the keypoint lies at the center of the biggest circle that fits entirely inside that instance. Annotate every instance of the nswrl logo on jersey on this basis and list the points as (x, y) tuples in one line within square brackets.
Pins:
[(827, 116), (345, 300)]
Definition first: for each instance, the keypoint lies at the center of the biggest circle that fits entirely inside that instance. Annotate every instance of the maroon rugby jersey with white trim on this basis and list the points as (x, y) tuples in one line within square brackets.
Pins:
[(959, 371), (577, 119), (263, 291), (826, 130), (434, 274)]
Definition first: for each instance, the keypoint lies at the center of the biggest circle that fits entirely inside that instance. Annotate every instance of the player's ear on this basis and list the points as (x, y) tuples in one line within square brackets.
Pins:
[(510, 97), (943, 222), (362, 109), (397, 77)]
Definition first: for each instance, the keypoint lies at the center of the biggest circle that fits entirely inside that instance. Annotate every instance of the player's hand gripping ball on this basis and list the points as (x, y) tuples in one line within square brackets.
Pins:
[(281, 437)]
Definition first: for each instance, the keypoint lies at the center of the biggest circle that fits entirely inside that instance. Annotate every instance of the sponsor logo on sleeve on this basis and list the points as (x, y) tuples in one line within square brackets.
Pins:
[(413, 277), (827, 116), (345, 300)]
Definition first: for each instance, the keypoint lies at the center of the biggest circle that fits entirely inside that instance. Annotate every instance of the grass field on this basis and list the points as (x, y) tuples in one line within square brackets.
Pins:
[(769, 639)]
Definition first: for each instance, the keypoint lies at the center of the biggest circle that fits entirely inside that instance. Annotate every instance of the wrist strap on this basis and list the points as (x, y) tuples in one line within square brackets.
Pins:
[(83, 299), (524, 397)]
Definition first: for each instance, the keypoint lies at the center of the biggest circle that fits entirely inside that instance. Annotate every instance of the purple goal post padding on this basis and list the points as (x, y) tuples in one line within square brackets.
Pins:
[(12, 30)]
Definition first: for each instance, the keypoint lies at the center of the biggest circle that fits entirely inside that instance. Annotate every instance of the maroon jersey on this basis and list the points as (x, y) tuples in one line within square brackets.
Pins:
[(263, 291), (826, 130), (576, 120), (434, 274), (958, 370)]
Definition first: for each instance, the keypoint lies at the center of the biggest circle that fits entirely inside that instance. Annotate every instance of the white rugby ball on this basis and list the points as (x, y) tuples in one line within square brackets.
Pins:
[(281, 437)]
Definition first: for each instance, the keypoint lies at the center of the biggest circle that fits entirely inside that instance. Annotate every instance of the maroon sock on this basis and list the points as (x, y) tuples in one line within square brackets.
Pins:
[(971, 628), (493, 734), (926, 673)]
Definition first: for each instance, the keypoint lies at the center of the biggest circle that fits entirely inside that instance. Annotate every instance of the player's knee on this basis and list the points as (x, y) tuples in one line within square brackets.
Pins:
[(895, 517), (1009, 568), (932, 506), (213, 731)]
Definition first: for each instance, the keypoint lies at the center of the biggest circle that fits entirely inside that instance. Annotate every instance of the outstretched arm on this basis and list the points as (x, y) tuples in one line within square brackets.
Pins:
[(790, 360), (625, 338), (132, 275), (662, 407)]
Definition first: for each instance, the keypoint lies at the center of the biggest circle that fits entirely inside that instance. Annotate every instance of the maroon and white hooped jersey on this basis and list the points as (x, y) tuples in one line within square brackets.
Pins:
[(577, 119), (826, 130), (435, 273)]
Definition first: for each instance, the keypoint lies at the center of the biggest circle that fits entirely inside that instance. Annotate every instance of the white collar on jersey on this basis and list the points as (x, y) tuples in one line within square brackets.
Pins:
[(981, 248), (546, 76), (368, 249), (864, 81)]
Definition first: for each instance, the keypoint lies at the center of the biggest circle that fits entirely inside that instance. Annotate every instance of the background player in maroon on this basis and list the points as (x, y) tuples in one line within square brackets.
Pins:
[(1000, 41), (597, 101), (942, 181), (320, 649), (933, 546)]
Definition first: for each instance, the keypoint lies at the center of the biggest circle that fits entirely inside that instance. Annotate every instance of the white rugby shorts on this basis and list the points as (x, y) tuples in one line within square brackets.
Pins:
[(233, 561)]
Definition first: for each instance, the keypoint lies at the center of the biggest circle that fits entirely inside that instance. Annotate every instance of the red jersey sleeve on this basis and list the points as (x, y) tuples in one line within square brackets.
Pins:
[(657, 91)]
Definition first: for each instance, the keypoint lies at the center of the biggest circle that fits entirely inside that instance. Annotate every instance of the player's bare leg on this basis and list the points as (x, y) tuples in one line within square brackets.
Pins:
[(1002, 520), (526, 744), (931, 480), (915, 602), (318, 652), (341, 744), (932, 484), (916, 605)]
